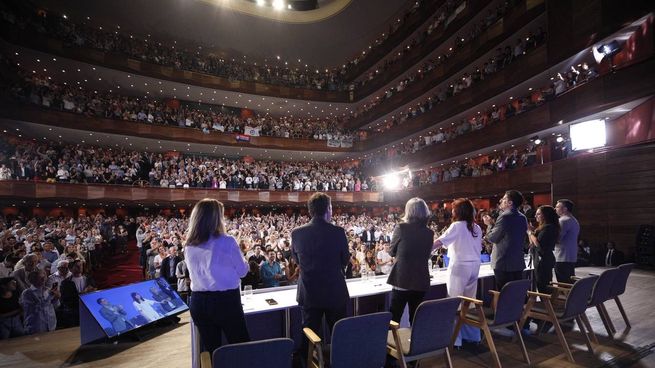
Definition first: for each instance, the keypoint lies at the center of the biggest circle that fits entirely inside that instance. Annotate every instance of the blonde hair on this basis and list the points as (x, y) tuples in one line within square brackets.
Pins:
[(206, 221), (416, 210)]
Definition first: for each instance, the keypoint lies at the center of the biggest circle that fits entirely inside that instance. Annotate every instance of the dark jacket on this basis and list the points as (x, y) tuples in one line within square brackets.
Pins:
[(547, 237), (508, 236), (165, 270), (321, 251), (411, 244)]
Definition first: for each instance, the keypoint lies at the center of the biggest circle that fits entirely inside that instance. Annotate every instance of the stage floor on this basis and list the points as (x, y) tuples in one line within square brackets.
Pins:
[(172, 348)]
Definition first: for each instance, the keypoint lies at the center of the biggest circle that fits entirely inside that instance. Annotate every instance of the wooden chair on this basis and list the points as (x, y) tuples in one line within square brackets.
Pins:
[(574, 308), (254, 354), (356, 342), (429, 335), (506, 310)]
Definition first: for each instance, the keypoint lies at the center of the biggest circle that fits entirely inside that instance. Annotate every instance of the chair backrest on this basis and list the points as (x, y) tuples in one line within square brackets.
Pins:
[(433, 325), (603, 286), (621, 279), (510, 301), (576, 303), (255, 354), (360, 341)]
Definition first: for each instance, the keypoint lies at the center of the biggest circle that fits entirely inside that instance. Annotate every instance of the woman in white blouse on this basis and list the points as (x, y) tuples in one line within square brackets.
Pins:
[(216, 266), (463, 239)]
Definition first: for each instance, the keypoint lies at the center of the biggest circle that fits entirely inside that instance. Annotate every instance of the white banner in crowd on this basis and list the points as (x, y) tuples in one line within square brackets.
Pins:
[(252, 131), (345, 142)]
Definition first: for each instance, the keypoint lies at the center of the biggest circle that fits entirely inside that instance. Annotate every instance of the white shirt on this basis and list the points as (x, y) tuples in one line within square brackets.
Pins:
[(462, 246), (384, 257), (215, 265)]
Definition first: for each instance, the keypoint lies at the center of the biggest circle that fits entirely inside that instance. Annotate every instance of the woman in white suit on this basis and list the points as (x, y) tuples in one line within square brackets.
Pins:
[(463, 239)]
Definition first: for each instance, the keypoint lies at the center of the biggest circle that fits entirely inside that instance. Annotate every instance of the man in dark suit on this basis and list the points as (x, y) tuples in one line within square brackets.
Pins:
[(321, 251), (508, 234), (613, 256), (368, 236), (168, 266)]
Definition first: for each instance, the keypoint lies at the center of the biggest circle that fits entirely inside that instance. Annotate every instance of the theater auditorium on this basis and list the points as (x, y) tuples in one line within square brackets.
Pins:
[(327, 183)]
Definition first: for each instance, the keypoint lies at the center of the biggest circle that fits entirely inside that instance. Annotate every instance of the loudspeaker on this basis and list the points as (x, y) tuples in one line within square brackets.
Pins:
[(645, 245)]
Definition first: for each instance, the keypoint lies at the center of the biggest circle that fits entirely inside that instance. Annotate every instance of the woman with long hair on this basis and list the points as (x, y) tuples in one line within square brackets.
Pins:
[(411, 243), (145, 307), (463, 239), (543, 240), (216, 266)]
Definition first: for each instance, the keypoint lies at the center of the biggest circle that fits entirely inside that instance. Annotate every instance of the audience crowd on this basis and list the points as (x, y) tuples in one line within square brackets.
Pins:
[(503, 58), (76, 163), (43, 92)]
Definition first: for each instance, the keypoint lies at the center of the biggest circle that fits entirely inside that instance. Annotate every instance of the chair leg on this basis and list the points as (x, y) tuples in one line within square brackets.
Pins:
[(517, 329), (558, 331), (578, 320), (625, 316), (604, 318), (587, 326), (492, 346), (449, 361), (458, 326), (607, 317)]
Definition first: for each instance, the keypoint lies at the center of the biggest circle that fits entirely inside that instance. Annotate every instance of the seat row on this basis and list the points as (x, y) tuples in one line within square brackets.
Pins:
[(382, 337)]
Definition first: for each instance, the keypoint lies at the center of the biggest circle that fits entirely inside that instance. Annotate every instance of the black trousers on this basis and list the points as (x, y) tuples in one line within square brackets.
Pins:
[(217, 312), (503, 277), (313, 318), (564, 271), (544, 275), (400, 298)]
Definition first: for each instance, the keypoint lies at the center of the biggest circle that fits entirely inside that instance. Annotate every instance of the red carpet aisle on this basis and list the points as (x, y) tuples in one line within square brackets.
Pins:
[(120, 269)]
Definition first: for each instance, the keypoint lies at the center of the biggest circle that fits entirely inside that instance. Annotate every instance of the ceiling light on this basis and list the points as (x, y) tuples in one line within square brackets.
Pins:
[(278, 5)]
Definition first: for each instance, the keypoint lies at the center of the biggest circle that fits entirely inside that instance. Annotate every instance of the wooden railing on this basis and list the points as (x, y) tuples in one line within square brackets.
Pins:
[(120, 194)]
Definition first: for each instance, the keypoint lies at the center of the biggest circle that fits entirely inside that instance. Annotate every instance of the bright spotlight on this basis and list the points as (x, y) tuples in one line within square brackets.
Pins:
[(278, 4), (588, 134), (261, 2), (559, 139), (391, 182), (537, 141)]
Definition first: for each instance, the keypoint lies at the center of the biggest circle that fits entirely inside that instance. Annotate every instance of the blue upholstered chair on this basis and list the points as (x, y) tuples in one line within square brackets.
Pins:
[(356, 342), (617, 289), (599, 295), (506, 310), (575, 305), (255, 354), (430, 334)]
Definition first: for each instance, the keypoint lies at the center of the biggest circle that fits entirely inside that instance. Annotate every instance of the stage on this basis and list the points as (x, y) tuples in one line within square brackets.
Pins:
[(172, 346)]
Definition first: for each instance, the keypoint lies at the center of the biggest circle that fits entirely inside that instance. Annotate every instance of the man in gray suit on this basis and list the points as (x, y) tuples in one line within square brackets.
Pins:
[(115, 314), (508, 234), (566, 249)]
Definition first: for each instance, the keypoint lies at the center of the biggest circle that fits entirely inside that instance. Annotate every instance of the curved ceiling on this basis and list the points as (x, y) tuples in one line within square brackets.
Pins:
[(338, 32)]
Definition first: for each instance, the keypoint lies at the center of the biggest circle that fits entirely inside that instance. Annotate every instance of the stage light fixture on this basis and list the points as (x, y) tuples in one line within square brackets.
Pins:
[(559, 139), (278, 4), (261, 2), (391, 181)]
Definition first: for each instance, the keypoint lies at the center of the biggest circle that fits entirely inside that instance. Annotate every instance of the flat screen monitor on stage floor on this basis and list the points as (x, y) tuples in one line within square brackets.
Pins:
[(113, 312)]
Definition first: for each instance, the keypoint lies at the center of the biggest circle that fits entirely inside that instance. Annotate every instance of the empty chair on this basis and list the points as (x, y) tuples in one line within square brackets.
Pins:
[(264, 353), (599, 295), (356, 342), (506, 310), (618, 288), (429, 335), (574, 307)]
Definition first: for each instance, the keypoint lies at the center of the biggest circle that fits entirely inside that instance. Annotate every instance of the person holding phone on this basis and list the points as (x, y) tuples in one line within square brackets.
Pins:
[(216, 266)]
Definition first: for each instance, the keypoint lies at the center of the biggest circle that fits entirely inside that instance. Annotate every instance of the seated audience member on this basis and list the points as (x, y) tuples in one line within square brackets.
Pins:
[(253, 277), (169, 266), (39, 304), (11, 312), (71, 288), (7, 266), (29, 263), (613, 256), (60, 275), (271, 271)]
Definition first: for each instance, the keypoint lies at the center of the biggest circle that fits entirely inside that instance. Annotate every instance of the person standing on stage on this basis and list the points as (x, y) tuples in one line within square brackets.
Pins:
[(543, 239), (216, 266), (508, 235), (411, 243), (463, 239), (566, 249), (321, 251)]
